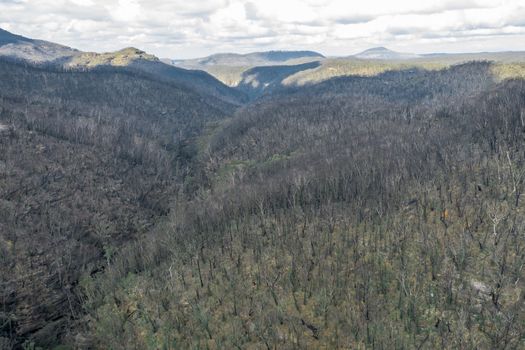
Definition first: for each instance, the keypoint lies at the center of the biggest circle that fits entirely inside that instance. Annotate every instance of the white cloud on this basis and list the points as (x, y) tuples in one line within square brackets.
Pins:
[(182, 28), (125, 10), (83, 2)]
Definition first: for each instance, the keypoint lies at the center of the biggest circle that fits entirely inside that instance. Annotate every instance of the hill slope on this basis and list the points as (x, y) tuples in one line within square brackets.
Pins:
[(90, 161), (354, 213), (249, 77), (43, 52), (261, 80), (230, 68), (139, 60), (19, 47), (353, 203)]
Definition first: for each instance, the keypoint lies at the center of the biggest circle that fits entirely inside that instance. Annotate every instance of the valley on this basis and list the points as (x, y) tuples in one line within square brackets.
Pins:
[(273, 200)]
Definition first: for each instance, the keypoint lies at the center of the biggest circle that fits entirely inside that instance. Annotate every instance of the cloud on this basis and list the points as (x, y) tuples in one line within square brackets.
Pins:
[(125, 10), (182, 28), (353, 19), (251, 10)]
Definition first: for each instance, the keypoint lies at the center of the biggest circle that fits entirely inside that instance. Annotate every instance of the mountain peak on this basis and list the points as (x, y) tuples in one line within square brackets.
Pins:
[(378, 49), (121, 57), (383, 53), (133, 53), (130, 51)]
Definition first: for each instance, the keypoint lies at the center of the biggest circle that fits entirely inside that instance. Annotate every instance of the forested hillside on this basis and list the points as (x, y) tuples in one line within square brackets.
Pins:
[(89, 161), (364, 212), (18, 48), (141, 62), (347, 203)]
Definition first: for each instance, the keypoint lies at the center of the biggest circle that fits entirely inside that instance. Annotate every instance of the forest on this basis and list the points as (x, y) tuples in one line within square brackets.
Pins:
[(359, 212)]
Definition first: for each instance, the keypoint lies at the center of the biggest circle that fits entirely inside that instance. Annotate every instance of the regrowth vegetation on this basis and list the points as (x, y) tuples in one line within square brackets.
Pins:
[(86, 166), (351, 204), (362, 212)]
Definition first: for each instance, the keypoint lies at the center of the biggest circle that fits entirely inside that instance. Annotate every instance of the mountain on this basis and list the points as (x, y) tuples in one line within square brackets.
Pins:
[(19, 47), (382, 53), (139, 60), (122, 57), (354, 213), (230, 67), (42, 52), (454, 58), (90, 160), (251, 59), (348, 204), (262, 79)]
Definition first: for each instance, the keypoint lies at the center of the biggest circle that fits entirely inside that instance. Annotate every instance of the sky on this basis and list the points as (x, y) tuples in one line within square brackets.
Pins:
[(193, 28)]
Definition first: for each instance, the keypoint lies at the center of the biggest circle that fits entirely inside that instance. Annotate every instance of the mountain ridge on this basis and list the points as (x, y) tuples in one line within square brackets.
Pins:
[(237, 78), (382, 53), (252, 58), (33, 50), (43, 52)]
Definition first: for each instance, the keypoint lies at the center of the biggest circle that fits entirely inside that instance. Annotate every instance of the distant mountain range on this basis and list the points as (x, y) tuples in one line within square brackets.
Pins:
[(44, 52), (255, 74), (382, 53), (252, 59), (234, 78), (230, 68), (260, 72)]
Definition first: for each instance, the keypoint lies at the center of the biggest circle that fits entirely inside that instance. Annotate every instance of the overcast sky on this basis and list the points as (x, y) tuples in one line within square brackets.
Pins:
[(192, 28)]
